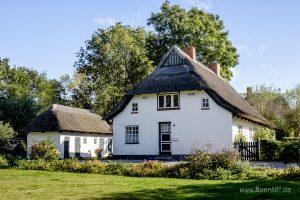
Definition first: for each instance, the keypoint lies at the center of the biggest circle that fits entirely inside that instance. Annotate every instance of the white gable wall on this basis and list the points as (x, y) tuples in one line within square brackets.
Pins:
[(246, 128), (190, 126)]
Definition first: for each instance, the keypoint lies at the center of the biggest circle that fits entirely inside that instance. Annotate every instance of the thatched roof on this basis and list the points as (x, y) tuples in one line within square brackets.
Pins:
[(65, 118), (178, 72)]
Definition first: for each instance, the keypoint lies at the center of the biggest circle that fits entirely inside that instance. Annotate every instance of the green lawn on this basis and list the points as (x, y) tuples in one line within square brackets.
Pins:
[(18, 184)]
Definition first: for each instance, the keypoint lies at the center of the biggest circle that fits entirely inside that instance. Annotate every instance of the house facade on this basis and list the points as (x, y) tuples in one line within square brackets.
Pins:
[(182, 105), (75, 132)]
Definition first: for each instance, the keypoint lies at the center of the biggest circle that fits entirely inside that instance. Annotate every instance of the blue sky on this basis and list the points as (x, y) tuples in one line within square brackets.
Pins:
[(45, 35)]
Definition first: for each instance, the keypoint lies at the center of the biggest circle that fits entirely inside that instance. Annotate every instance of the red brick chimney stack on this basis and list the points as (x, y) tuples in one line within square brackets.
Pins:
[(191, 51), (215, 67)]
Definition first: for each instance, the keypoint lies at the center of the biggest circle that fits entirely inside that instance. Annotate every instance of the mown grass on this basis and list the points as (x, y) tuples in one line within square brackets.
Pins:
[(21, 184)]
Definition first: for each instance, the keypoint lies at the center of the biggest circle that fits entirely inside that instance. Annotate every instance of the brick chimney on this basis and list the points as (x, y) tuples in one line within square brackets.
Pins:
[(215, 67), (191, 51)]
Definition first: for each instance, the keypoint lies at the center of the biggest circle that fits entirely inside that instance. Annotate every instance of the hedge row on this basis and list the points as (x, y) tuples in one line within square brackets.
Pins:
[(284, 151), (202, 165)]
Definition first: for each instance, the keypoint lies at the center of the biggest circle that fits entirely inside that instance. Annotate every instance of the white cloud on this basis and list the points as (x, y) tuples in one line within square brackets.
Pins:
[(262, 47), (204, 4), (241, 47), (105, 21), (265, 66)]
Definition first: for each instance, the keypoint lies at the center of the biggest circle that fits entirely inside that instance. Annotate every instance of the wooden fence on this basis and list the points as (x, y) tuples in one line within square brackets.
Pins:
[(248, 150)]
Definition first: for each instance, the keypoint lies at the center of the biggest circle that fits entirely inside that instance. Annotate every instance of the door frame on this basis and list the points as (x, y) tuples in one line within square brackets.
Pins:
[(67, 141), (160, 142)]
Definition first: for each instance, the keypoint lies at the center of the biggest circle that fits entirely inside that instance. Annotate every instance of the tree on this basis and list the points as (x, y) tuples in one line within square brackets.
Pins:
[(281, 108), (112, 62), (6, 134), (24, 92), (205, 31)]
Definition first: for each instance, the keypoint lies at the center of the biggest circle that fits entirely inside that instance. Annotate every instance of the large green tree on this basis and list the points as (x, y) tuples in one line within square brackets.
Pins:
[(281, 108), (174, 25), (112, 62), (24, 92)]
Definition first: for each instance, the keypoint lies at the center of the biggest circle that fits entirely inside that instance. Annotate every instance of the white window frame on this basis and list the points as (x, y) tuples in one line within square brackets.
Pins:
[(132, 134), (240, 129), (134, 107), (205, 104), (84, 140), (95, 140), (172, 106)]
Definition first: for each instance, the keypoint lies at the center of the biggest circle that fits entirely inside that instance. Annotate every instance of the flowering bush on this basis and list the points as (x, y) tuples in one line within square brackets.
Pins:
[(3, 162), (45, 150), (98, 152)]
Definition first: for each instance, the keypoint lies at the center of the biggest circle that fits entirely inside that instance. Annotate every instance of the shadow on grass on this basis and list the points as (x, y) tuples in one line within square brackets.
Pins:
[(222, 190)]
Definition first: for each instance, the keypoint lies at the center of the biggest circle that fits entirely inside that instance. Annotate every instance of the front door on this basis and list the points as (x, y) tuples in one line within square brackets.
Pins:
[(165, 138), (66, 149)]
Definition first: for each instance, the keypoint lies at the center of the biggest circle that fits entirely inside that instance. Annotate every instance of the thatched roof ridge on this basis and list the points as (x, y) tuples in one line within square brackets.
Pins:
[(65, 118), (189, 74)]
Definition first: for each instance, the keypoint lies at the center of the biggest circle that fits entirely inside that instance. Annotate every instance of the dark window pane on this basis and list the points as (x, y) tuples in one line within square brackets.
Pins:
[(165, 147), (165, 137), (176, 100), (168, 101), (161, 101)]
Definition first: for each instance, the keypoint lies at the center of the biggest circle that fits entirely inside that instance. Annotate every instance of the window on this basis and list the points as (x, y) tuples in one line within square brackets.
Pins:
[(101, 142), (84, 140), (168, 101), (205, 103), (131, 134), (95, 140), (240, 129), (134, 107)]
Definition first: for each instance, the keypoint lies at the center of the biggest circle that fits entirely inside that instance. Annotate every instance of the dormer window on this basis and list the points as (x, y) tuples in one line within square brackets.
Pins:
[(135, 108), (168, 101), (205, 104)]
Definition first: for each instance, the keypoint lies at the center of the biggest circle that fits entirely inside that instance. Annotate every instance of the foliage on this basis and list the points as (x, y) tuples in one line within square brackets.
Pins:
[(6, 134), (264, 133), (273, 150), (281, 108), (98, 152), (270, 149), (45, 150), (201, 165), (240, 138), (23, 92), (113, 61), (205, 31), (3, 162), (290, 152)]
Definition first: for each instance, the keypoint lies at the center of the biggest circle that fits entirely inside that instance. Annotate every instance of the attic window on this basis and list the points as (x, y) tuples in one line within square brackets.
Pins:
[(205, 104), (134, 108), (168, 101)]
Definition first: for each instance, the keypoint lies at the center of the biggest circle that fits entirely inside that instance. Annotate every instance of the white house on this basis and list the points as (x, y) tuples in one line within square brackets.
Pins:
[(75, 132), (180, 106)]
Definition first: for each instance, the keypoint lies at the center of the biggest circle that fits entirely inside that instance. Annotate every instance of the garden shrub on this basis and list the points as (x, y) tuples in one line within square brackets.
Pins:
[(291, 173), (240, 138), (290, 152), (270, 150), (44, 150), (263, 133), (3, 162), (202, 164)]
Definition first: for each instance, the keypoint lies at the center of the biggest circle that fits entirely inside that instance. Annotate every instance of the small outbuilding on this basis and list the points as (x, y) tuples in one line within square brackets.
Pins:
[(75, 132)]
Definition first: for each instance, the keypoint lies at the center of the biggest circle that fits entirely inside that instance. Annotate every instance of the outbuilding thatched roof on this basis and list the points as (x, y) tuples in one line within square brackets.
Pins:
[(177, 71), (65, 118)]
